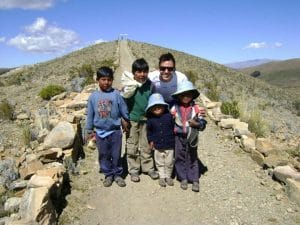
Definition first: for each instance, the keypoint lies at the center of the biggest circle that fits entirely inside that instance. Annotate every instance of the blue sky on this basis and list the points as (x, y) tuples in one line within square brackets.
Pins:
[(222, 31)]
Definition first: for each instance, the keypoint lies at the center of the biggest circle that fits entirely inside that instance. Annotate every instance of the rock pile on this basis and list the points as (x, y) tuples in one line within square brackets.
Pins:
[(262, 150), (38, 174)]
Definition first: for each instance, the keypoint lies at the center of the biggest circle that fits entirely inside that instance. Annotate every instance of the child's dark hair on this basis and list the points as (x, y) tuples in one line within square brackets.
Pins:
[(166, 57), (140, 65), (105, 71)]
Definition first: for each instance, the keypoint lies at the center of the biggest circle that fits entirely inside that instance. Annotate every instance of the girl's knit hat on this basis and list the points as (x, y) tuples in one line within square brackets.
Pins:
[(186, 86), (156, 99)]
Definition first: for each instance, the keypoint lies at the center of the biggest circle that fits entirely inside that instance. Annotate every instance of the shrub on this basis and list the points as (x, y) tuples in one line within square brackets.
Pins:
[(51, 90), (256, 124), (26, 134), (212, 89), (6, 110), (231, 108)]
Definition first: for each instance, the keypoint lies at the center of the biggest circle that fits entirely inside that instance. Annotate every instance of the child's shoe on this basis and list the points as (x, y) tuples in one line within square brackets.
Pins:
[(120, 181), (195, 187), (162, 182), (184, 184), (135, 177), (108, 181), (170, 181), (153, 174)]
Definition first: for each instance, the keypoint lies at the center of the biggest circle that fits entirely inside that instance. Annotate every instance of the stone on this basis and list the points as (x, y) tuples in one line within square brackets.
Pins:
[(62, 136), (293, 190)]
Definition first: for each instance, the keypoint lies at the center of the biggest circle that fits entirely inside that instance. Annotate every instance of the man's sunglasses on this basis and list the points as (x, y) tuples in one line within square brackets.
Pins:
[(163, 68)]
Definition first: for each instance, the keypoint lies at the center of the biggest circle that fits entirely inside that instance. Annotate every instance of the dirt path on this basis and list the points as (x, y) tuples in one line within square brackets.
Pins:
[(234, 191), (125, 61)]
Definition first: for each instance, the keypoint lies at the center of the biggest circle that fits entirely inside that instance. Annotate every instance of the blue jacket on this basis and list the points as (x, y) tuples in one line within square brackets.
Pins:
[(105, 110), (160, 130)]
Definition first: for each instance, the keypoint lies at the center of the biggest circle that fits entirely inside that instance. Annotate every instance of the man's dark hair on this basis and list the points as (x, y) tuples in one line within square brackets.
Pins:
[(140, 65), (105, 71), (166, 57)]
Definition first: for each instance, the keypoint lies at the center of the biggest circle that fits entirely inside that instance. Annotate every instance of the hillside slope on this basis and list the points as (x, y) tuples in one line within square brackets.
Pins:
[(276, 105), (284, 74)]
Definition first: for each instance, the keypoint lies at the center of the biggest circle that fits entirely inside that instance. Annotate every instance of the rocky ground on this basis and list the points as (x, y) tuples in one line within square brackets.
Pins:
[(234, 190)]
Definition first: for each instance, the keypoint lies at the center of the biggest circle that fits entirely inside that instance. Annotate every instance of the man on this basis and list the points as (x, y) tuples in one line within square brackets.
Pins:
[(166, 78)]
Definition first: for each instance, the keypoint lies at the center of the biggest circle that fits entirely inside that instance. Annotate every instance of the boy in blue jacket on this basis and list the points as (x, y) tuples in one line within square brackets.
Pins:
[(160, 134), (105, 109)]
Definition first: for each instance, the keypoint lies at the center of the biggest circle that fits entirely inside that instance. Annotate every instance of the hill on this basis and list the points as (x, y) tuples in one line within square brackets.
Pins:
[(284, 74), (276, 106), (250, 189), (247, 63)]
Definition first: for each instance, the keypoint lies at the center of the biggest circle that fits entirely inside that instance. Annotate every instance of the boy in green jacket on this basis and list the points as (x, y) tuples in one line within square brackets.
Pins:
[(139, 155)]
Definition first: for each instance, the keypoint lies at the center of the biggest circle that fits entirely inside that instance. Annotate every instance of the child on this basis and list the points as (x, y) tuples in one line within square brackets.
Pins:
[(160, 134), (139, 155), (188, 123), (105, 109)]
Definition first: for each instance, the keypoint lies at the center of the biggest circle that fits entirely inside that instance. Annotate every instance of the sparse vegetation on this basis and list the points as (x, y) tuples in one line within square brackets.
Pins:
[(26, 134), (212, 89), (192, 76), (87, 71), (6, 110), (51, 90), (231, 108), (294, 152), (256, 123)]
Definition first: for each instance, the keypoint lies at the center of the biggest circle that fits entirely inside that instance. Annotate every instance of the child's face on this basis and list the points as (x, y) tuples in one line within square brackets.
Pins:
[(158, 110), (105, 83), (186, 97), (140, 76)]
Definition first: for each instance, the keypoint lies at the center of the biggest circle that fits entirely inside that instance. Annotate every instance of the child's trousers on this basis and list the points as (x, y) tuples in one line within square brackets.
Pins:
[(186, 160), (164, 161), (109, 154), (139, 155)]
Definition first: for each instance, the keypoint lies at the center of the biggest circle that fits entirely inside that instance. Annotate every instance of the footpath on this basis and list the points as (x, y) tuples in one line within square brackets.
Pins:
[(234, 190)]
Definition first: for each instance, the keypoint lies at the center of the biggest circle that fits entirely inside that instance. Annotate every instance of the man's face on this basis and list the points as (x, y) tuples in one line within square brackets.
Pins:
[(140, 76), (166, 69), (105, 83)]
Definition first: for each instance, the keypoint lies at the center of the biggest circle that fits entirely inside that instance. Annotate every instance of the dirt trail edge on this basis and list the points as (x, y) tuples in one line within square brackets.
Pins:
[(233, 191)]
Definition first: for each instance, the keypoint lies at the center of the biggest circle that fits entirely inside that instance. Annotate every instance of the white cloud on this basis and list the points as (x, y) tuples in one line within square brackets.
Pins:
[(277, 44), (99, 41), (2, 39), (26, 4), (256, 45), (44, 38), (38, 26)]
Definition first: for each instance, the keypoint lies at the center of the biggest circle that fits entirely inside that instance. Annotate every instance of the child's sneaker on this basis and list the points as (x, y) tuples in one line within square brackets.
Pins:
[(170, 181), (153, 174), (162, 182), (108, 182), (120, 181), (195, 187), (135, 177), (184, 185)]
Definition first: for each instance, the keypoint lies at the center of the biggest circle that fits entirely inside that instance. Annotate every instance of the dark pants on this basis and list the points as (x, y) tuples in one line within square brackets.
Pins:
[(186, 161), (109, 154)]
